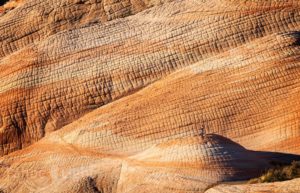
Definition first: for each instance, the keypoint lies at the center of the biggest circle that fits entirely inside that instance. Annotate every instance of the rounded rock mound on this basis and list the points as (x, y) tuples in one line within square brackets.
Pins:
[(197, 161)]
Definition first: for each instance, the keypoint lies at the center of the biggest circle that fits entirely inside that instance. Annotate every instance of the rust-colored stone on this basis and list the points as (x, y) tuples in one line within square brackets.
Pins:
[(146, 95)]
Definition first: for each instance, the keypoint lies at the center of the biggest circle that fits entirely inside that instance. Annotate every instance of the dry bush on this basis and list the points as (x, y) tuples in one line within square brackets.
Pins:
[(279, 173)]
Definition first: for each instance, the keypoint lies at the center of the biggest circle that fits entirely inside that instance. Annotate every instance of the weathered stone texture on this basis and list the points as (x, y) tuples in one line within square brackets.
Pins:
[(47, 82), (98, 94)]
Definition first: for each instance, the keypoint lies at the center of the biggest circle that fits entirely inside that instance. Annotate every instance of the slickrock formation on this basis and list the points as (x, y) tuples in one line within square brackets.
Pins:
[(190, 164), (95, 96), (48, 81), (193, 163), (38, 79)]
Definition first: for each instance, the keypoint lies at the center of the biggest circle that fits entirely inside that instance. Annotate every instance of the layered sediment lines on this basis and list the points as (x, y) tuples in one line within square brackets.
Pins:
[(180, 165), (190, 164), (54, 80), (255, 99), (36, 20), (109, 96)]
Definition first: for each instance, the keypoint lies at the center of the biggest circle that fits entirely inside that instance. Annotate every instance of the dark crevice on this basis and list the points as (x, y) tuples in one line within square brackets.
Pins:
[(295, 35), (2, 2), (92, 184)]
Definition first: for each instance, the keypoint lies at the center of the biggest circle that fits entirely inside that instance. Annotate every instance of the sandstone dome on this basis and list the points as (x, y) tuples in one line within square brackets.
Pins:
[(203, 160), (212, 151)]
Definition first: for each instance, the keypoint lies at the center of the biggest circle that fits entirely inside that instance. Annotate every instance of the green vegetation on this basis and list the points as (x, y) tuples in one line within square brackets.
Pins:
[(279, 173)]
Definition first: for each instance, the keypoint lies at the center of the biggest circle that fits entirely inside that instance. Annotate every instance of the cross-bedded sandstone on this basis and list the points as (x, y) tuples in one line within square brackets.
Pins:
[(47, 83), (113, 86)]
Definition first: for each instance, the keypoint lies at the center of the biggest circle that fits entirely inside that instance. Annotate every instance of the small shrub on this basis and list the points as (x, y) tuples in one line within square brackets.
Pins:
[(279, 173)]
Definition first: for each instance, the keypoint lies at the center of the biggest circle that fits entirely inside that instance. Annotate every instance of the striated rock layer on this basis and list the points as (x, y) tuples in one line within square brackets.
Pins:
[(189, 163), (54, 71), (108, 96), (185, 164)]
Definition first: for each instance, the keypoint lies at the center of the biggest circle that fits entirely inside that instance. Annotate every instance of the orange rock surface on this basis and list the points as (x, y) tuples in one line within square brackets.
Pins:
[(109, 96)]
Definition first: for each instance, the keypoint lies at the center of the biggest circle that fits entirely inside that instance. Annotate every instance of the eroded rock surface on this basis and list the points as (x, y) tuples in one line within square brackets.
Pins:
[(194, 163), (95, 95), (188, 163)]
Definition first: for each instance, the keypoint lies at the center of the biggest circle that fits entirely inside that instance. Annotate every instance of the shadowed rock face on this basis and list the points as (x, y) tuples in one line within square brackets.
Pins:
[(194, 163), (126, 86)]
